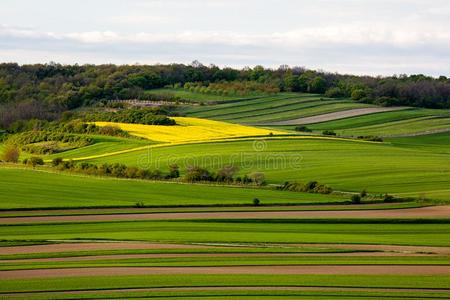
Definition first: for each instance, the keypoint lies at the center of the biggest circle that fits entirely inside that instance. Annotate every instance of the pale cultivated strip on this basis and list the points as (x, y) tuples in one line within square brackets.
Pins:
[(337, 115), (421, 212), (244, 270)]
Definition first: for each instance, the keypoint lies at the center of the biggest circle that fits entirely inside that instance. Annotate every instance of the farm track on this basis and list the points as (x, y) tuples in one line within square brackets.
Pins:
[(422, 212), (336, 115), (240, 270)]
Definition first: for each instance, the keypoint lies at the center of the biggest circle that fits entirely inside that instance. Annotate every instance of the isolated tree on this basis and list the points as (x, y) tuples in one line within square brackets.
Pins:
[(11, 153)]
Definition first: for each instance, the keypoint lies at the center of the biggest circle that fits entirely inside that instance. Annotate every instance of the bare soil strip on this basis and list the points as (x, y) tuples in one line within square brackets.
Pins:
[(444, 251), (131, 210), (193, 255), (336, 115), (422, 212), (231, 288), (69, 247), (249, 270), (99, 246)]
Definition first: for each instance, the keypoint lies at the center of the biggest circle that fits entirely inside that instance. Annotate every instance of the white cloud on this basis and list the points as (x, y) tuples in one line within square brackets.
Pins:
[(306, 37)]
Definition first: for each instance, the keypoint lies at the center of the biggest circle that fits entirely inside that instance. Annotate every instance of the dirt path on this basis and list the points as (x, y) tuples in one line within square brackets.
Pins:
[(422, 212), (337, 115), (278, 270)]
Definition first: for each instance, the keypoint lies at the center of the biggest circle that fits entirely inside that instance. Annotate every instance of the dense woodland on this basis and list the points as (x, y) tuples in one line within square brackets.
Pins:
[(44, 91)]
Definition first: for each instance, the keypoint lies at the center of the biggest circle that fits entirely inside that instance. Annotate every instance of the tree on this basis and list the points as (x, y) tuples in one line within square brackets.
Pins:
[(356, 199), (174, 171), (196, 173), (226, 173), (11, 153), (358, 94), (318, 85), (292, 83), (257, 178)]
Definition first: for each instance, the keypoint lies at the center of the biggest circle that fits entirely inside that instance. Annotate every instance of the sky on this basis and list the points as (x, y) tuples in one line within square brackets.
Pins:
[(373, 37)]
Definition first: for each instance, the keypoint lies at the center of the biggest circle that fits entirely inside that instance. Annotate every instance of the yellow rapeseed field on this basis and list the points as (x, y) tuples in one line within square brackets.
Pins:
[(190, 130)]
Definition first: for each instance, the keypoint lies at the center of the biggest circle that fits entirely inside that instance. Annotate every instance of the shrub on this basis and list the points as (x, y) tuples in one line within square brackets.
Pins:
[(370, 138), (109, 130), (196, 173), (57, 161), (363, 194), (356, 199), (257, 178), (329, 132), (34, 161), (256, 202), (310, 187), (302, 129), (226, 173), (335, 92), (139, 204), (174, 171), (388, 198), (11, 153)]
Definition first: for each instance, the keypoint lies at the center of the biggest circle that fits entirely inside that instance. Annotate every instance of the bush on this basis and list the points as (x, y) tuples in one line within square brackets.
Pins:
[(310, 187), (302, 129), (226, 173), (356, 199), (196, 173), (371, 138), (174, 171), (34, 161), (256, 202), (335, 92), (57, 161), (363, 194), (139, 204), (388, 198), (329, 132), (257, 178), (11, 153)]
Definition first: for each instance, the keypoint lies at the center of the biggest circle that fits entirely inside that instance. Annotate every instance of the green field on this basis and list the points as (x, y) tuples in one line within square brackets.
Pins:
[(31, 189), (394, 123), (280, 107), (352, 231), (343, 164), (128, 282)]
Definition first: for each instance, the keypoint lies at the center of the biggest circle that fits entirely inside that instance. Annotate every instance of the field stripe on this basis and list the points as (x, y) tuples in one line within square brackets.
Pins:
[(337, 115), (241, 270), (422, 212)]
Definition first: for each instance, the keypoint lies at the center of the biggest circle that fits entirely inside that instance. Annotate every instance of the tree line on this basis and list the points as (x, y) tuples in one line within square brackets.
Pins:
[(45, 90)]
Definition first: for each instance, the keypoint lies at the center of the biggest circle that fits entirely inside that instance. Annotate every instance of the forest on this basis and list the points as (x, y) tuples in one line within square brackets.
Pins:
[(45, 90)]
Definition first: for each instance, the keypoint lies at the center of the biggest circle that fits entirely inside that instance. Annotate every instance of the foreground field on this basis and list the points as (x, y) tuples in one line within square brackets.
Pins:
[(339, 251)]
